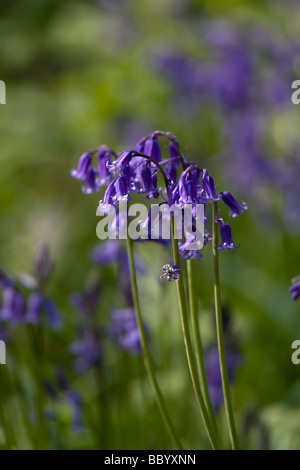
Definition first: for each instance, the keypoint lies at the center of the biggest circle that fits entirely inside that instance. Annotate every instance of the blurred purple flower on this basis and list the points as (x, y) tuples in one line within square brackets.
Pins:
[(213, 373), (123, 328), (88, 350), (295, 288), (87, 302), (13, 306), (74, 398)]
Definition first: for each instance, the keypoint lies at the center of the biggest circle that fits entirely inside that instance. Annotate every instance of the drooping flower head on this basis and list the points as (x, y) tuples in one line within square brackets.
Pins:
[(295, 288), (226, 237)]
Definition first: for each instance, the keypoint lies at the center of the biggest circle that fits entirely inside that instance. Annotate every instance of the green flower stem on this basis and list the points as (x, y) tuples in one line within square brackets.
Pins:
[(147, 357), (188, 344), (220, 334), (198, 343)]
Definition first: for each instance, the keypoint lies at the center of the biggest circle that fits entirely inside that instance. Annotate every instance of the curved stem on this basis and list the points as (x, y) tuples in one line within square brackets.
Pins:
[(147, 357), (188, 344), (198, 343), (220, 333)]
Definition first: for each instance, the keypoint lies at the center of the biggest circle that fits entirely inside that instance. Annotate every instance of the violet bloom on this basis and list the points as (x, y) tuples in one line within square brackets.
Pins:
[(74, 399), (171, 272), (87, 302), (213, 372), (174, 149), (105, 157), (295, 288), (146, 177), (171, 172), (122, 190), (208, 191), (109, 195), (88, 350), (106, 252), (112, 251), (187, 191), (124, 330), (152, 148), (42, 310), (235, 207), (226, 237), (84, 165), (186, 253), (91, 183), (13, 306), (117, 167)]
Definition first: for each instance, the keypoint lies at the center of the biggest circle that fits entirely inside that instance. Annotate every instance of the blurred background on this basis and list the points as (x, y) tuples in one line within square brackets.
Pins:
[(83, 73)]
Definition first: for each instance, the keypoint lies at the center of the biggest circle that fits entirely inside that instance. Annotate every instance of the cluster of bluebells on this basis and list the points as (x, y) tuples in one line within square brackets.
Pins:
[(136, 171), (24, 300), (244, 74), (60, 391)]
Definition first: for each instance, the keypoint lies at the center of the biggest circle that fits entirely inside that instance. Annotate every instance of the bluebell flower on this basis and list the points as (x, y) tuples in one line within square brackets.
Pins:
[(171, 272), (117, 167), (187, 191), (154, 191), (235, 207), (122, 189), (208, 191), (106, 252), (171, 172), (91, 183), (87, 302), (123, 328), (42, 311), (54, 319), (30, 305), (110, 194), (152, 148), (146, 177), (213, 372), (13, 306), (186, 253), (34, 308), (105, 157), (295, 288), (174, 149), (140, 146), (74, 398), (88, 350), (83, 167), (226, 237)]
